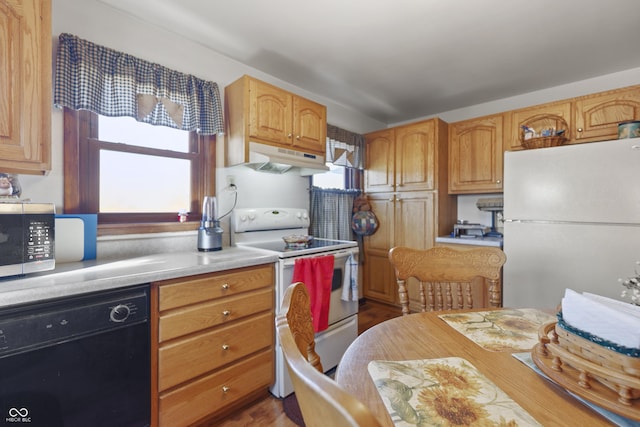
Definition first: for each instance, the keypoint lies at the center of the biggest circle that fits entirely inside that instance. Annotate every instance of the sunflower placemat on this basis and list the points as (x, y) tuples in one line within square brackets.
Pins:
[(443, 392), (500, 330)]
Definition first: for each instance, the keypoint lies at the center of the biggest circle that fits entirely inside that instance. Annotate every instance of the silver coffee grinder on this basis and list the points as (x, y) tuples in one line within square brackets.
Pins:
[(210, 232)]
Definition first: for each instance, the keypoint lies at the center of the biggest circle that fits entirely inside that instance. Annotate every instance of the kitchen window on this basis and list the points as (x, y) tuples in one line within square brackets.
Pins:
[(135, 176), (135, 181)]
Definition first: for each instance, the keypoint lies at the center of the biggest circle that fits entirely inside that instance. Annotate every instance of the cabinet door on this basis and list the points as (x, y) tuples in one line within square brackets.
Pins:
[(415, 152), (380, 280), (414, 219), (379, 174), (406, 219), (379, 277), (270, 113), (415, 228), (538, 117), (309, 125), (475, 155), (597, 116), (25, 85)]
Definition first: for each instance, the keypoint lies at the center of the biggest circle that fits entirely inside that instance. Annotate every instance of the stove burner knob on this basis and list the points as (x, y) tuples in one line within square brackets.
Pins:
[(252, 216)]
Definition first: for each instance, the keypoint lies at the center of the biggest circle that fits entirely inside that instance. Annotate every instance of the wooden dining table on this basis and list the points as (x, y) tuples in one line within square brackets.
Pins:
[(421, 336)]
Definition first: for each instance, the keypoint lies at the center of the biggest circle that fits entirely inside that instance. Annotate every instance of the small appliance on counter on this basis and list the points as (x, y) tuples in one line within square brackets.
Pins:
[(27, 236), (465, 230), (210, 232), (495, 205)]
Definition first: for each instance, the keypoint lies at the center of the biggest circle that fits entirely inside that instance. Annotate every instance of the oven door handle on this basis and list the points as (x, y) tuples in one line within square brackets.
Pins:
[(343, 254)]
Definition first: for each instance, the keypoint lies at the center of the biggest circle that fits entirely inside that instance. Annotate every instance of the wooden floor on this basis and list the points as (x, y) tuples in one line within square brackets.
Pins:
[(268, 411)]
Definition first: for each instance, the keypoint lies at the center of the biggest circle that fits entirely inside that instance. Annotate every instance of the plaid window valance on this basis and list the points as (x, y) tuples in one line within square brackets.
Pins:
[(345, 148), (111, 83)]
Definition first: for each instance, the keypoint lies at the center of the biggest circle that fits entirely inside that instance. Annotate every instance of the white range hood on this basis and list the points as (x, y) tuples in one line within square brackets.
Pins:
[(268, 158)]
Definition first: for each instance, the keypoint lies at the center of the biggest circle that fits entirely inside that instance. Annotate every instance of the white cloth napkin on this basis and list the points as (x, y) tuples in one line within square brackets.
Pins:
[(612, 320), (350, 280)]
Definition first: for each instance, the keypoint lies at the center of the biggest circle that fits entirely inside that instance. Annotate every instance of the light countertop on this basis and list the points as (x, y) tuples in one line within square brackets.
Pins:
[(92, 276), (478, 241)]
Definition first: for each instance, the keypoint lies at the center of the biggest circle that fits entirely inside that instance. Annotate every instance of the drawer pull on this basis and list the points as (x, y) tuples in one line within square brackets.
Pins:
[(226, 313), (225, 287), (225, 388), (225, 346)]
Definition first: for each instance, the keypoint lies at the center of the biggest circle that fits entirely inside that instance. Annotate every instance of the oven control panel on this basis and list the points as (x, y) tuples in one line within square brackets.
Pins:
[(259, 219)]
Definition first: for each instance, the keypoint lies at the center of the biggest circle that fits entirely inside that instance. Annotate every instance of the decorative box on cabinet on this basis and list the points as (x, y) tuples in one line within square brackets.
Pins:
[(25, 103), (475, 155), (260, 112), (215, 338)]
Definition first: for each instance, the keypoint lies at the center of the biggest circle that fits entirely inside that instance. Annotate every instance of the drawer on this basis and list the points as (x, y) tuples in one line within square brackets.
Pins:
[(183, 321), (187, 358), (184, 291), (205, 396)]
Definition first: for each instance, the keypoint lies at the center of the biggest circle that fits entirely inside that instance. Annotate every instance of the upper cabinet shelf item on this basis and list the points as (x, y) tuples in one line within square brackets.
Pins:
[(260, 112), (25, 85)]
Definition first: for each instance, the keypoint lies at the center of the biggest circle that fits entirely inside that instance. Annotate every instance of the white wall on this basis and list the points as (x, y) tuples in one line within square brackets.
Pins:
[(97, 22)]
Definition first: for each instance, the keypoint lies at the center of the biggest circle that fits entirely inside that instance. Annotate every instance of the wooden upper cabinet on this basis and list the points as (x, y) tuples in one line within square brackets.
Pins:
[(309, 125), (260, 112), (406, 158), (379, 175), (597, 116), (415, 154), (475, 155), (538, 118), (25, 86), (270, 113)]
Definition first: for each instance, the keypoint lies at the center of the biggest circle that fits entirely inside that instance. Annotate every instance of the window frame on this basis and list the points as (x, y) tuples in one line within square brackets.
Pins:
[(81, 177)]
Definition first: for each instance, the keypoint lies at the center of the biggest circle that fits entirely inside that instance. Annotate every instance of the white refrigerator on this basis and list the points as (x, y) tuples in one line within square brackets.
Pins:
[(571, 220)]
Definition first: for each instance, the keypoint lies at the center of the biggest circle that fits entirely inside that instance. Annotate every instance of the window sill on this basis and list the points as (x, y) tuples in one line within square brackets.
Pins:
[(145, 228)]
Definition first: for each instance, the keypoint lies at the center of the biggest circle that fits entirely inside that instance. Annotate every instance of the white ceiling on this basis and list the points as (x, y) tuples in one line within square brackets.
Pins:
[(397, 60)]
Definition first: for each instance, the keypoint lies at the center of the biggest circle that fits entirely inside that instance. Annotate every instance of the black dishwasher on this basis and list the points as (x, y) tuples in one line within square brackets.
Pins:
[(79, 361)]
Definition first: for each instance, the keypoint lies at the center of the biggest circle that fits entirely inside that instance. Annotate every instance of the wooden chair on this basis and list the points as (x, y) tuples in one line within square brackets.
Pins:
[(322, 401), (440, 268)]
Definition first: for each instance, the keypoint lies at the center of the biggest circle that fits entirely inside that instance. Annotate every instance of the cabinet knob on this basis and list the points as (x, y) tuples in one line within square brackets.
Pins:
[(298, 137), (499, 181), (225, 389), (225, 287), (580, 129), (289, 136), (226, 313), (225, 347)]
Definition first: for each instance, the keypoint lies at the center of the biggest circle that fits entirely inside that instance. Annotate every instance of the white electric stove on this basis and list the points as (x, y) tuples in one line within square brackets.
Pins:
[(264, 229)]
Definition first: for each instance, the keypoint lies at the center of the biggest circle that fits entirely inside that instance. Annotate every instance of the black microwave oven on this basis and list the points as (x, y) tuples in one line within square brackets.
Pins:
[(27, 238)]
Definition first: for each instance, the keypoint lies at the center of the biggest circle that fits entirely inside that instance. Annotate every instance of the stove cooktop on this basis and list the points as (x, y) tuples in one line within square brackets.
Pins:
[(316, 246)]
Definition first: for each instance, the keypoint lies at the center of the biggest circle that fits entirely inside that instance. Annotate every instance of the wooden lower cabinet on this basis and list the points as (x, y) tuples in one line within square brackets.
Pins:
[(411, 218), (204, 396), (215, 344)]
